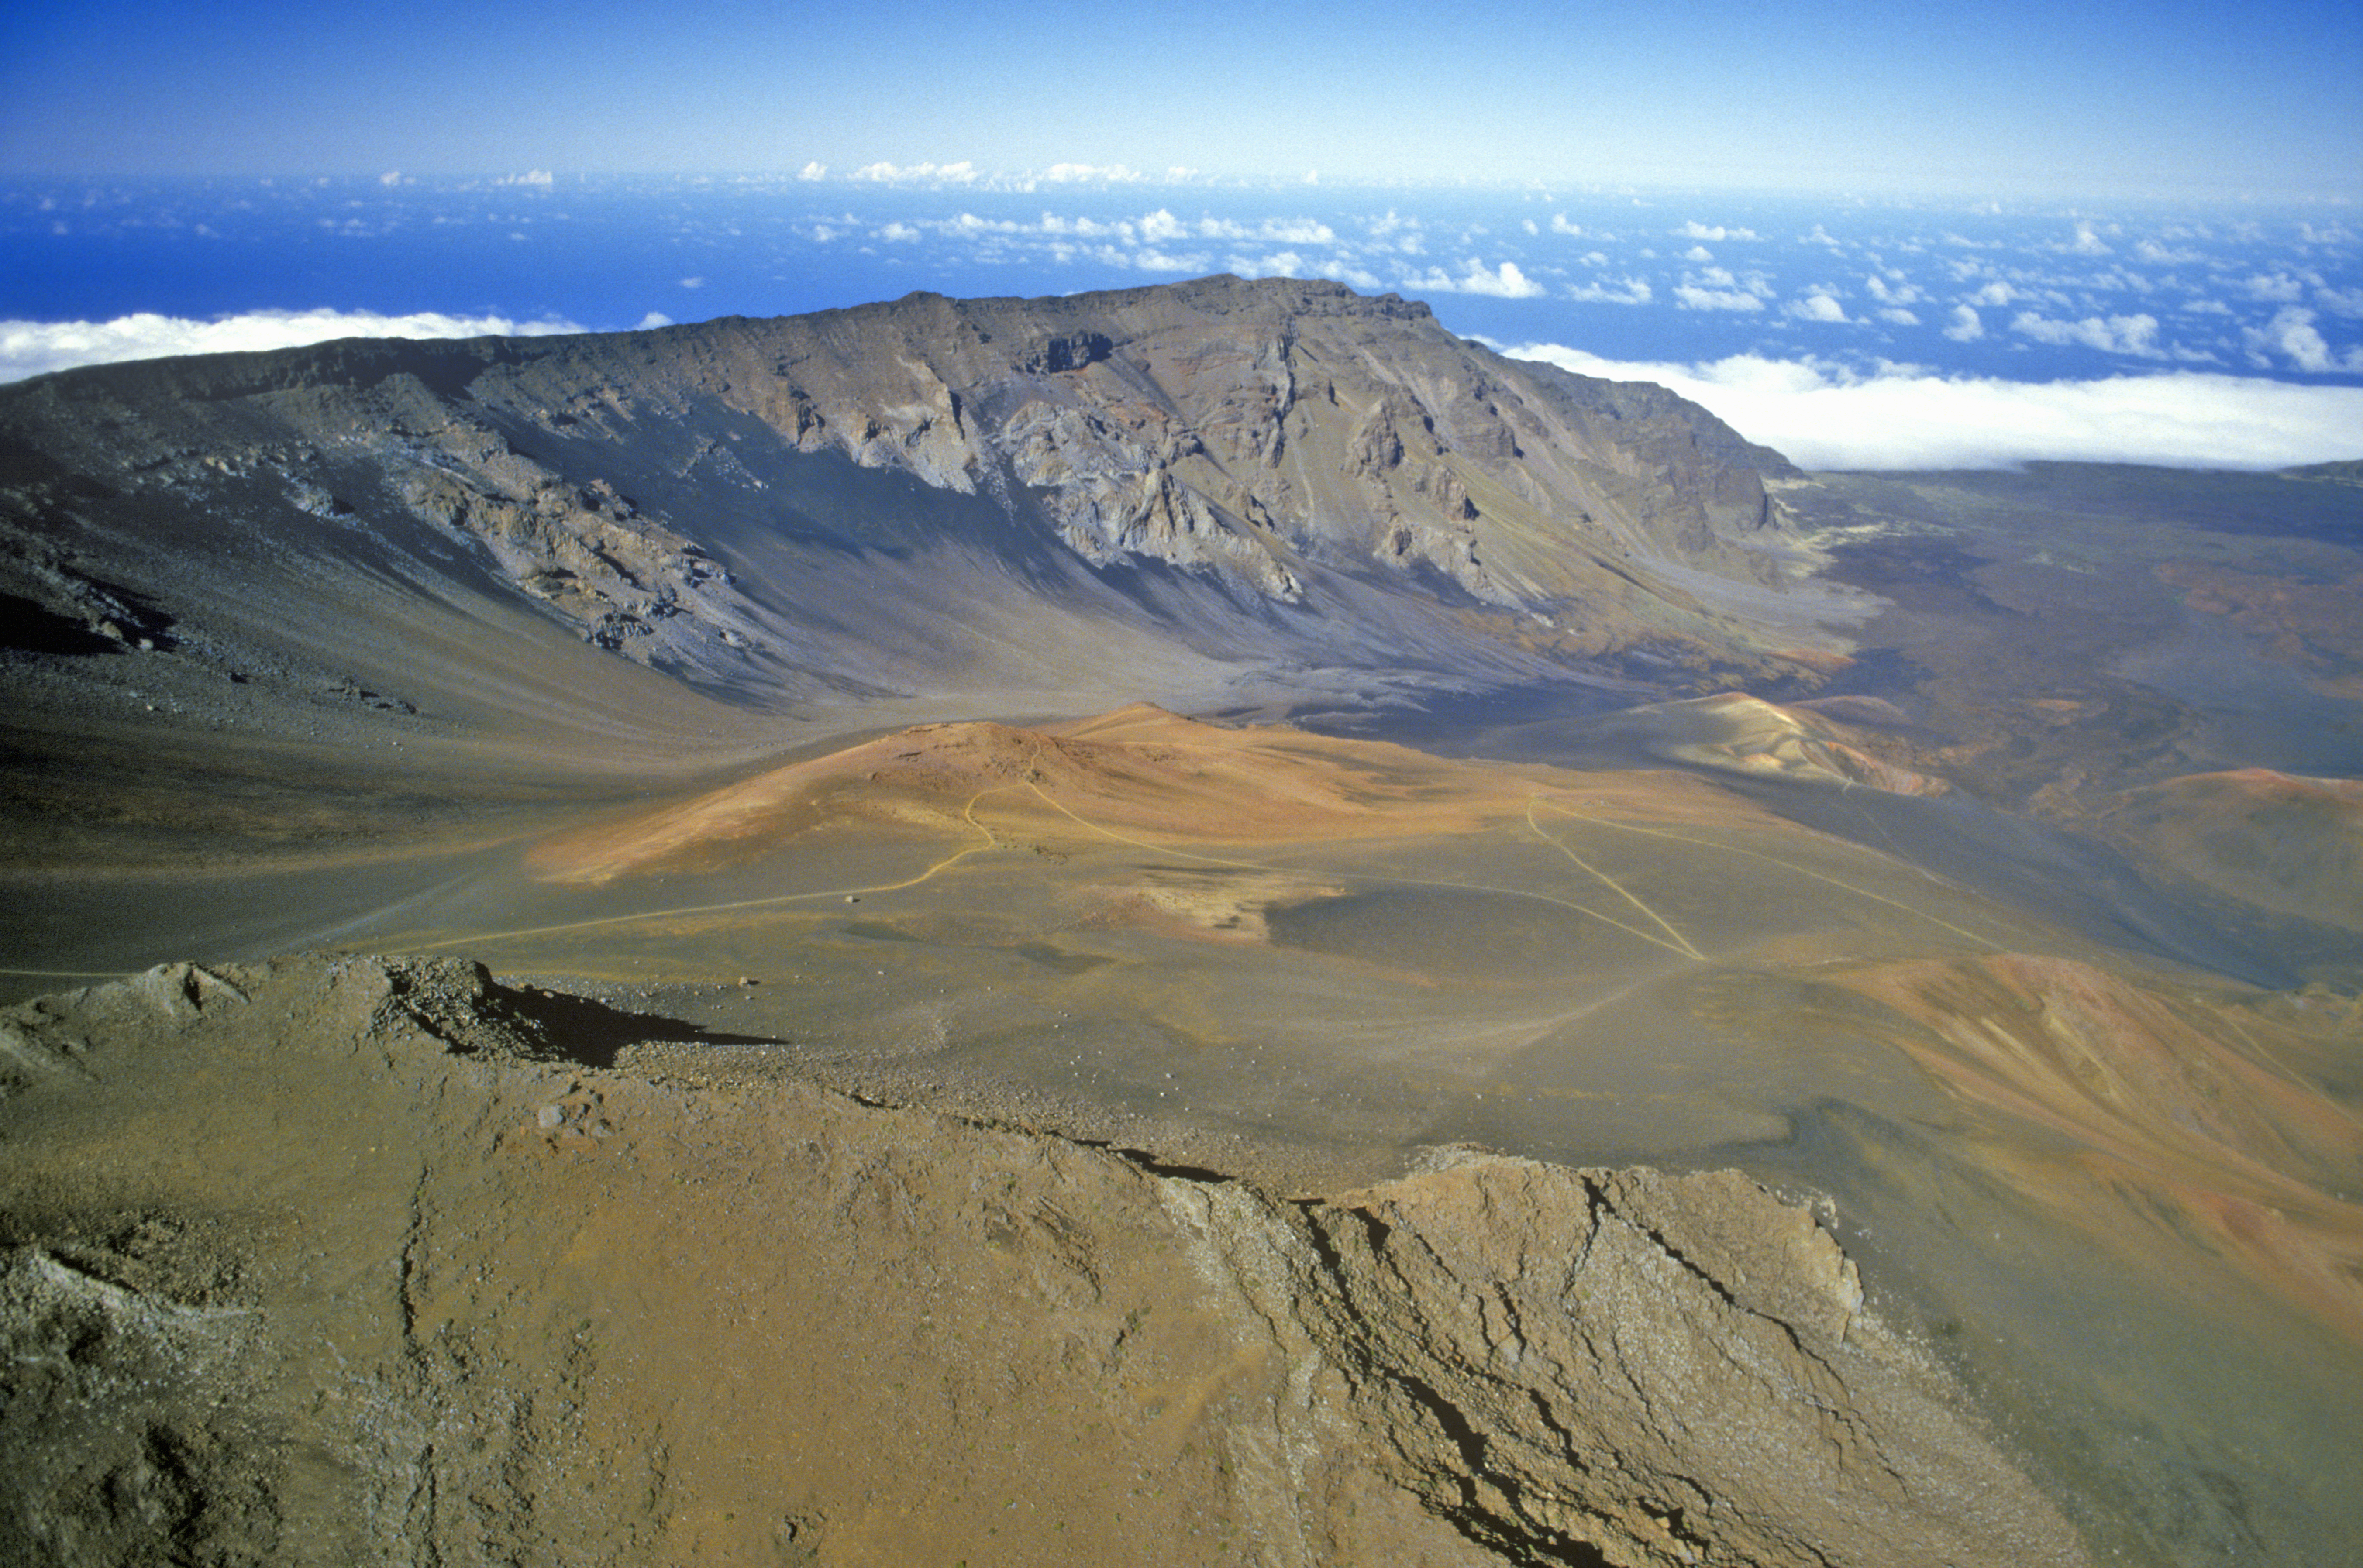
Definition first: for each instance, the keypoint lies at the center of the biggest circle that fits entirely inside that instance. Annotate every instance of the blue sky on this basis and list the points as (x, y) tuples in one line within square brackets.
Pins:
[(2007, 99)]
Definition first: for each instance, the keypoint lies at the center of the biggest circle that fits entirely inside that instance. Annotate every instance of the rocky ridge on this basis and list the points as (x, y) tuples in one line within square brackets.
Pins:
[(222, 465), (1236, 424), (364, 1261), (1264, 438)]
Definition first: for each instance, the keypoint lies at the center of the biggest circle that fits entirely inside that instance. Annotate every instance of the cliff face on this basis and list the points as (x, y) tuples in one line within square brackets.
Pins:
[(1284, 455), (1245, 425)]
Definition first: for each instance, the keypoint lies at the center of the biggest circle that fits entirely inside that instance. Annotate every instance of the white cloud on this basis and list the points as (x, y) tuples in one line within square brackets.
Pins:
[(1632, 290), (693, 282), (1561, 226), (1697, 230), (2151, 250), (1160, 227), (1825, 417), (2340, 302), (1698, 253), (2135, 335), (1106, 255), (541, 177), (33, 347), (1093, 173), (812, 171), (1160, 262), (1966, 328), (960, 174), (900, 233), (1994, 293), (1088, 228), (1693, 297), (653, 320), (1505, 281), (2279, 287), (390, 177), (1279, 264), (1818, 305), (2291, 332), (2088, 242), (1897, 292), (1899, 315), (1284, 231), (2118, 278)]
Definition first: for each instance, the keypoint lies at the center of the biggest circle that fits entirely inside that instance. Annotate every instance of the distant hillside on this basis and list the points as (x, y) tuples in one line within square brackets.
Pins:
[(1253, 473), (2348, 472)]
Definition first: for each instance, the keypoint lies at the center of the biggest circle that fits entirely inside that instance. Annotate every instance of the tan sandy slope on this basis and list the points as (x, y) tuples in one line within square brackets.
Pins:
[(2289, 844), (341, 1261), (1139, 770)]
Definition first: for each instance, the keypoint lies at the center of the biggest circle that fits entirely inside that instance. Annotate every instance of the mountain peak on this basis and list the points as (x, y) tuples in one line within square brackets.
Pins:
[(1271, 468)]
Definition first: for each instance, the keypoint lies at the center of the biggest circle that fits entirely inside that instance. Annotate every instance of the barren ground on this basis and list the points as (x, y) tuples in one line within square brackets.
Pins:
[(891, 1119)]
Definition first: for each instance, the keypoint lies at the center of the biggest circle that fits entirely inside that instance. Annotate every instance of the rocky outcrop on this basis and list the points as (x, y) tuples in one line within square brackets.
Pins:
[(584, 550), (361, 1261), (229, 474), (1243, 425), (58, 608), (1614, 1366)]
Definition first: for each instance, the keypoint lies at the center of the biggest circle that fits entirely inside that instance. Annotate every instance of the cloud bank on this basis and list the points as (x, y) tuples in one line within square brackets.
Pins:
[(1823, 417), (1820, 413), (35, 348)]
